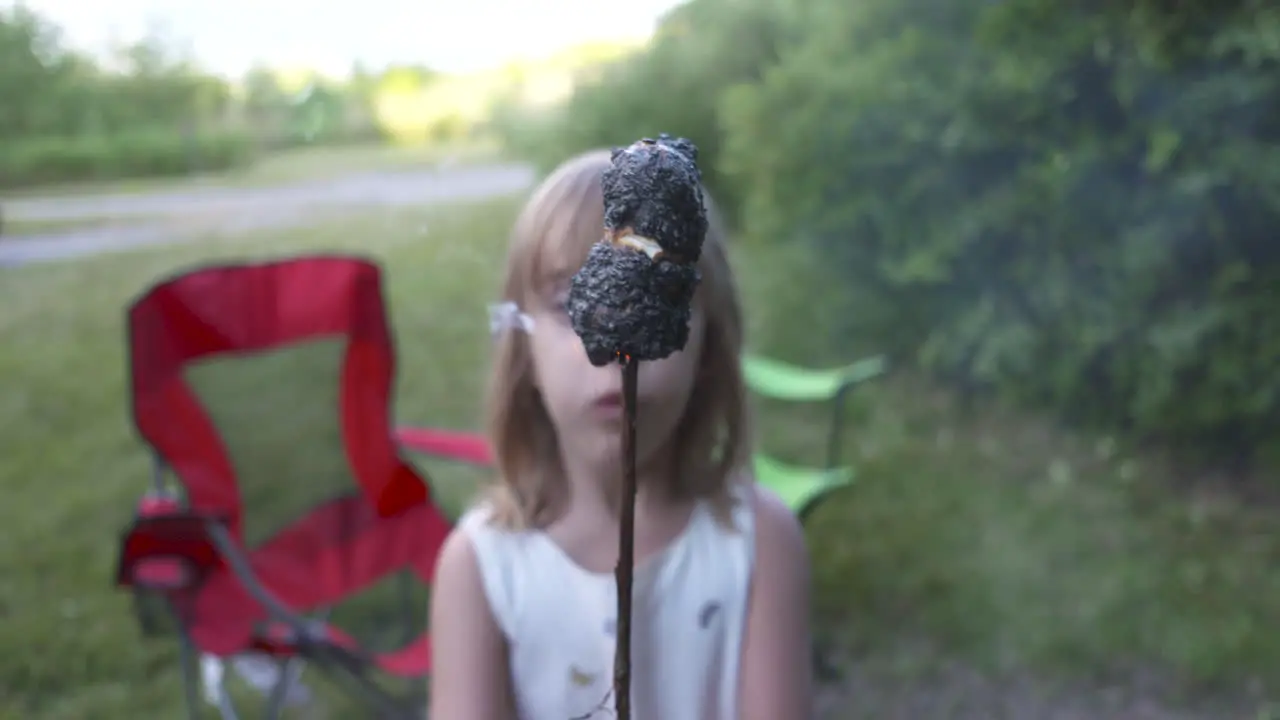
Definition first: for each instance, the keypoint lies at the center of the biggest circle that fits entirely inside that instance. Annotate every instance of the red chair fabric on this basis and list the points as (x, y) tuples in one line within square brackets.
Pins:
[(462, 447), (345, 544)]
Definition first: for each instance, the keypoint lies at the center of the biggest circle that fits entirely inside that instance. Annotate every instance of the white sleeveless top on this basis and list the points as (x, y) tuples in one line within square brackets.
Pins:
[(689, 612)]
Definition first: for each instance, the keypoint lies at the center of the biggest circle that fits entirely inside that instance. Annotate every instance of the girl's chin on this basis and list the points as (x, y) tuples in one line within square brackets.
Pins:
[(606, 454), (600, 446)]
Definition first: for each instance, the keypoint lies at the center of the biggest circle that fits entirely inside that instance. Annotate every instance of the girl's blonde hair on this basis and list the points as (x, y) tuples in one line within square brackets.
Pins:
[(550, 240)]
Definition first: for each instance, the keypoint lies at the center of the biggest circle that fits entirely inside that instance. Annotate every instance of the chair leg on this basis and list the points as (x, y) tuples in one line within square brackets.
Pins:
[(213, 675), (226, 709), (289, 672), (339, 665), (190, 674), (837, 428), (823, 668)]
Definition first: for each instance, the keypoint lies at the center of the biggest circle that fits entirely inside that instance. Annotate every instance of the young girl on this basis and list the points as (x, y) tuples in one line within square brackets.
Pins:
[(523, 606)]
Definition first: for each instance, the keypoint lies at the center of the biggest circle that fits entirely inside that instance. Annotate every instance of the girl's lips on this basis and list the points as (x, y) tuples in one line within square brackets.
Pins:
[(607, 407), (609, 401)]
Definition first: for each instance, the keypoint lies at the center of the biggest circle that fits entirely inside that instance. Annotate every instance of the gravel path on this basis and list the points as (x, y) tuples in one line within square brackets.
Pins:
[(159, 218)]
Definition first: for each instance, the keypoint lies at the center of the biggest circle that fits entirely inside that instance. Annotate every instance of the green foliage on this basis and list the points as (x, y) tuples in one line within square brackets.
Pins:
[(67, 118), (34, 161), (674, 86), (1070, 207), (51, 91)]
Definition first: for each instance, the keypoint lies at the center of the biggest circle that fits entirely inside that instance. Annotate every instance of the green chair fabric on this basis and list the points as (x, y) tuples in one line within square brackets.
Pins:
[(783, 381), (778, 380), (799, 487)]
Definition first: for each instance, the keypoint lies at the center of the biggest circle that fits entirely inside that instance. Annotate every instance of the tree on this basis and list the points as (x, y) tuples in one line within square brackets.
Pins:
[(66, 118), (701, 49), (1066, 204)]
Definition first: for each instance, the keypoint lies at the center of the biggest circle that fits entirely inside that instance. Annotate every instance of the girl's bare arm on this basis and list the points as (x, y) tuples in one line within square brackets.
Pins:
[(469, 677), (776, 672)]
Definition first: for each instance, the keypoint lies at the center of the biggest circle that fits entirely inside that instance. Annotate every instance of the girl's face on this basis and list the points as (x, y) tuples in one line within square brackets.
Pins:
[(585, 402)]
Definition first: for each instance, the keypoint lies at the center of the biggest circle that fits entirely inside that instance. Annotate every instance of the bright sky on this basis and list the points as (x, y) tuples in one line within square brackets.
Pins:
[(228, 36)]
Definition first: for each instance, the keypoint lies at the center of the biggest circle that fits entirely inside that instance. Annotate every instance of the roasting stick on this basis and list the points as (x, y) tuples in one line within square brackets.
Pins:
[(631, 302), (624, 572)]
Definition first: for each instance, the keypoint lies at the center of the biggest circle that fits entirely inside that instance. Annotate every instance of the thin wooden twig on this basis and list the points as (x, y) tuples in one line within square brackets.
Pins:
[(623, 573)]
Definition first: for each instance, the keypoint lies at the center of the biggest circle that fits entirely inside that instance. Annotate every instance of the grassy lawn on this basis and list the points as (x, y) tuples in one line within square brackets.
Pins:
[(323, 162), (1001, 540)]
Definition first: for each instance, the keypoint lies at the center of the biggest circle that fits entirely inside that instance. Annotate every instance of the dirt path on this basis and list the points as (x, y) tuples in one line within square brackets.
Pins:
[(174, 216)]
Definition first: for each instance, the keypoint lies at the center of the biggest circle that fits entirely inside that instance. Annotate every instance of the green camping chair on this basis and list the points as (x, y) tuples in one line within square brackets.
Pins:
[(799, 487), (802, 487)]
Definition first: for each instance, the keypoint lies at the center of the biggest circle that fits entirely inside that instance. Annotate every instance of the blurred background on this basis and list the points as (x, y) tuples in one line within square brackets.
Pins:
[(1051, 218)]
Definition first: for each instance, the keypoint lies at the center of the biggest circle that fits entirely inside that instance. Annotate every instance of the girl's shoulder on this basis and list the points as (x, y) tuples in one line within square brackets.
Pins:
[(720, 537), (757, 514), (478, 518), (504, 557), (490, 532)]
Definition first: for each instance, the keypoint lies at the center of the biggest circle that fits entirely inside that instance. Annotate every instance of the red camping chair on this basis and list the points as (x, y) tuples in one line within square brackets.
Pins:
[(263, 391)]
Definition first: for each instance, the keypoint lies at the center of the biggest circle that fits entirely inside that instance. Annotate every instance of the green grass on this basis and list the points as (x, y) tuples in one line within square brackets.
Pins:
[(1014, 544), (323, 162), (1002, 540), (72, 469)]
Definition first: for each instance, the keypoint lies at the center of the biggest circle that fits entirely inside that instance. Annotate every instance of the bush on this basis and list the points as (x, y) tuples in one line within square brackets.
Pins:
[(674, 86), (38, 161), (1069, 206), (1073, 208)]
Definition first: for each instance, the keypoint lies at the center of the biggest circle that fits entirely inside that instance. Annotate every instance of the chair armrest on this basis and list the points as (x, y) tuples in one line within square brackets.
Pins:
[(470, 448), (784, 381), (799, 487)]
